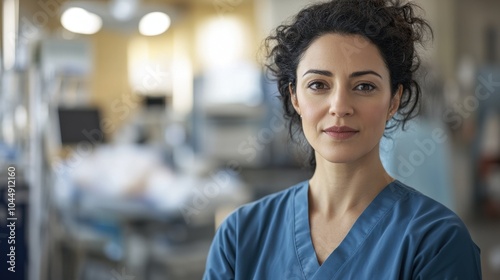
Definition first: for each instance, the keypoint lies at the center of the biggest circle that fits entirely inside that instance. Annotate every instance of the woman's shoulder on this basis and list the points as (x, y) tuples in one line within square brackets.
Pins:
[(270, 205), (427, 217), (420, 204), (440, 240)]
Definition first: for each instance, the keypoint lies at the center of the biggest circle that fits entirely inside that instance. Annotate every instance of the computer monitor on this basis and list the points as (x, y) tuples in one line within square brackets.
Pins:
[(80, 124), (155, 102)]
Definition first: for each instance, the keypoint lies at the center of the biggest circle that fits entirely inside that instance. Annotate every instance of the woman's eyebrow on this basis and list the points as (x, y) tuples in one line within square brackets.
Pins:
[(319, 72), (366, 72), (353, 75)]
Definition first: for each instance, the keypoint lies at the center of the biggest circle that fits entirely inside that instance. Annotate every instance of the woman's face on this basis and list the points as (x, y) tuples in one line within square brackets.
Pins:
[(344, 97)]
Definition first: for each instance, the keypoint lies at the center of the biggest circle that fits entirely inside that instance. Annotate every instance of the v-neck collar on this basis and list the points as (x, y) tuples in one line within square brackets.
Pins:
[(356, 236)]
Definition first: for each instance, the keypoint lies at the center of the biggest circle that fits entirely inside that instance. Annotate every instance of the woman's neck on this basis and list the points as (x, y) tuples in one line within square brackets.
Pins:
[(337, 189)]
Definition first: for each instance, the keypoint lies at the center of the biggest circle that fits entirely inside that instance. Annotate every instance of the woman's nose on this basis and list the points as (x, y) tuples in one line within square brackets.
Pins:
[(340, 103)]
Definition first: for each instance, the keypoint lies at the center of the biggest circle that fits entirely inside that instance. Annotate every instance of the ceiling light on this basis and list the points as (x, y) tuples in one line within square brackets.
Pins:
[(154, 23), (78, 20)]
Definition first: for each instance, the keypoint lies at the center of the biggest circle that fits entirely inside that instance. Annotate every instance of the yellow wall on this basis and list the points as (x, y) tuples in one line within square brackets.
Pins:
[(109, 83)]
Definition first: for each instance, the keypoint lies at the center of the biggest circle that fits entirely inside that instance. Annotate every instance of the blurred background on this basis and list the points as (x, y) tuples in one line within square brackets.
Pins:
[(136, 126)]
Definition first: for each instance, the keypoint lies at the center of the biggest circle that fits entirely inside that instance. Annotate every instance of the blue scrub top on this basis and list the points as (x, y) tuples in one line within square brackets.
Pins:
[(402, 234)]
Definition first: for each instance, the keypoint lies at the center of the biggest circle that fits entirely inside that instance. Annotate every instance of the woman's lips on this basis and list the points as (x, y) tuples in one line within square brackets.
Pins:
[(341, 132)]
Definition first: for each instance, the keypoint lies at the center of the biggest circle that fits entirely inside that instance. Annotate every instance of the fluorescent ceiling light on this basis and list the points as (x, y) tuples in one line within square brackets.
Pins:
[(81, 21), (154, 23)]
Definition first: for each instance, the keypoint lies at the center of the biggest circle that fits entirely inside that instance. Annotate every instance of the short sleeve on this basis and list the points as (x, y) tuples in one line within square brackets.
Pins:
[(221, 257), (448, 252)]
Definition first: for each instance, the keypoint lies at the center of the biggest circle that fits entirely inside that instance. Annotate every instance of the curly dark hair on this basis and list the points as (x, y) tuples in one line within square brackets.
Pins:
[(391, 25)]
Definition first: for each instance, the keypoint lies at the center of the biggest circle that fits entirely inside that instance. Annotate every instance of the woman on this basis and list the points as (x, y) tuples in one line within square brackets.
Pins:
[(345, 72)]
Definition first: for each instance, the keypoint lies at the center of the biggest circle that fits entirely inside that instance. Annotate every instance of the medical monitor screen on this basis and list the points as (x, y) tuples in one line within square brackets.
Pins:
[(80, 124)]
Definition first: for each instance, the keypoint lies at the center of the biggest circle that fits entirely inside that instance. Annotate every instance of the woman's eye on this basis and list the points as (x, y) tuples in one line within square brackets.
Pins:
[(364, 87), (317, 86)]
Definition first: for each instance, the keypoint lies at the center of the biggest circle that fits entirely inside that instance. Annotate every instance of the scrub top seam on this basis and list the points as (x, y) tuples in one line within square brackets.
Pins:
[(295, 235), (369, 233)]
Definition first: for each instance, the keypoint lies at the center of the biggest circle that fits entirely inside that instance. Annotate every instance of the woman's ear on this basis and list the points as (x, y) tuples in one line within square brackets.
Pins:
[(395, 100), (293, 98)]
